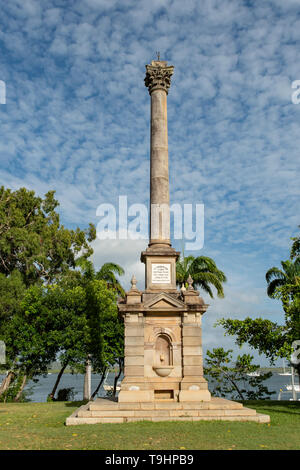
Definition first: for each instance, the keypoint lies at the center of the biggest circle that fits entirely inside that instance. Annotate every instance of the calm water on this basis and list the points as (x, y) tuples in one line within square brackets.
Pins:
[(43, 387)]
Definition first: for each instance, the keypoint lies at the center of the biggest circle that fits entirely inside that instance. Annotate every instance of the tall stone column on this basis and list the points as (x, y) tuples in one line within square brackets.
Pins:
[(161, 318), (159, 258), (158, 81)]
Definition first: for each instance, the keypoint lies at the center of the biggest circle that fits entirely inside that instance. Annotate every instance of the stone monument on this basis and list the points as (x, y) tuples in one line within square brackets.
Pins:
[(163, 352), (163, 376)]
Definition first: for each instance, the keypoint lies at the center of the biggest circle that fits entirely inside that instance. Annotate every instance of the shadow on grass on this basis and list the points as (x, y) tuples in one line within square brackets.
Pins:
[(71, 404), (84, 402), (275, 405)]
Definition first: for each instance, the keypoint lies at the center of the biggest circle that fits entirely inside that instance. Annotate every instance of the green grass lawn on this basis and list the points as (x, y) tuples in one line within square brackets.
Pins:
[(41, 426)]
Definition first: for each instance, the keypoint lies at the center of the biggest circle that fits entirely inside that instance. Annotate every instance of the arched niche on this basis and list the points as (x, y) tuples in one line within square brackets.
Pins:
[(163, 350)]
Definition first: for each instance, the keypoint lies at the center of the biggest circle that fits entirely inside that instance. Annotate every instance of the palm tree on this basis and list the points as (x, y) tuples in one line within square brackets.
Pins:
[(203, 271), (289, 274), (107, 273)]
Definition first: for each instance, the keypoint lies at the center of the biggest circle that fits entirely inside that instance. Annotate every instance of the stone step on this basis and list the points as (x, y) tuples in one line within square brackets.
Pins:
[(102, 404), (108, 411), (215, 403), (74, 420), (160, 413)]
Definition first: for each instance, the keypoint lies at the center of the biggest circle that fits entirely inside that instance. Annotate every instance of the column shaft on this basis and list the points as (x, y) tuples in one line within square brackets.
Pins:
[(158, 81), (159, 172)]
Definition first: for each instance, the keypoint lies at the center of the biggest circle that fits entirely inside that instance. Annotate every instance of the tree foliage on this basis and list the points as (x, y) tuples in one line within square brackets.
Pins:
[(48, 306), (295, 250), (272, 339), (112, 327), (72, 322), (277, 278), (32, 239), (231, 380), (108, 273), (204, 273)]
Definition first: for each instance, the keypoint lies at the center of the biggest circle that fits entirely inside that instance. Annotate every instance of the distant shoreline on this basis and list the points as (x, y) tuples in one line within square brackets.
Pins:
[(274, 370), (66, 371)]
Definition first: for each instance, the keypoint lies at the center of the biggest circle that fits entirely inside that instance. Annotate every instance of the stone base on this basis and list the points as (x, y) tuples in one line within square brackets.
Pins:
[(194, 389), (107, 411), (135, 396), (194, 395)]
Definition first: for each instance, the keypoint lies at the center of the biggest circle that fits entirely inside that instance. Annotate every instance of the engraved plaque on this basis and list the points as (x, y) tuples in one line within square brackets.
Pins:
[(161, 273)]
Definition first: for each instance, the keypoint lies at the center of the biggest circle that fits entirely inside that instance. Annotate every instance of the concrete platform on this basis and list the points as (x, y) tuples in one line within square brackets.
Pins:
[(107, 411)]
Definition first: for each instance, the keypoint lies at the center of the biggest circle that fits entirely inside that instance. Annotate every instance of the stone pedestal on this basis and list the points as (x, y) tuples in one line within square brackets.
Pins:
[(163, 345)]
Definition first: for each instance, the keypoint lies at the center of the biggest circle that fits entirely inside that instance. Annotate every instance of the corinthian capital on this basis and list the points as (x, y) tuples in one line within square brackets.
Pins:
[(158, 76)]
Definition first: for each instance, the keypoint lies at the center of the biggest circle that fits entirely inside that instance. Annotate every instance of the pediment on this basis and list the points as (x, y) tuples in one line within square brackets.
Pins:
[(163, 301)]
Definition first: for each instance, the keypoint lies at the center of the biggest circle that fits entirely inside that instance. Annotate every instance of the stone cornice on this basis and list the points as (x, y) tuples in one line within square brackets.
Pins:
[(158, 76)]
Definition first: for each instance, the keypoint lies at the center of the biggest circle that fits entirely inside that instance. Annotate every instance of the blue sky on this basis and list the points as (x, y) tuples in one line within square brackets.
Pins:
[(76, 120)]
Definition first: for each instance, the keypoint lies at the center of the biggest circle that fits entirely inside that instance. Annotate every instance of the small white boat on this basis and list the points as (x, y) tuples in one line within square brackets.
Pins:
[(290, 387), (289, 390), (254, 374), (109, 388)]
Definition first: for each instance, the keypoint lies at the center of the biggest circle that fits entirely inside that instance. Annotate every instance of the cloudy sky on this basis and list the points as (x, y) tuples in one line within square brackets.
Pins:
[(76, 120)]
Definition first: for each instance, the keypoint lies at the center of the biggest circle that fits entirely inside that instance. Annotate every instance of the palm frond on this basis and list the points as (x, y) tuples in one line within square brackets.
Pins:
[(273, 286), (274, 273), (113, 267), (86, 267), (206, 288), (203, 271), (205, 278)]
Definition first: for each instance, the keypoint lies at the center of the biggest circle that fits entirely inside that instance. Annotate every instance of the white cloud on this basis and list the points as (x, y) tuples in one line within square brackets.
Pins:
[(126, 253)]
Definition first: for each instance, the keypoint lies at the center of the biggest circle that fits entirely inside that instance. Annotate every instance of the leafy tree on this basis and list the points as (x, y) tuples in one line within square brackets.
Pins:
[(86, 320), (12, 291), (31, 339), (203, 271), (112, 327), (231, 380), (71, 321), (47, 305), (33, 241), (266, 336), (261, 334), (35, 249), (112, 338), (73, 327)]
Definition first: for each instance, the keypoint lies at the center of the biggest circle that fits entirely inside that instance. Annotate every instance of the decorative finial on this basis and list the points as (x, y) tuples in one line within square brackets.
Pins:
[(183, 289), (190, 282), (158, 55), (133, 282)]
